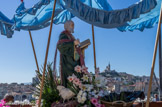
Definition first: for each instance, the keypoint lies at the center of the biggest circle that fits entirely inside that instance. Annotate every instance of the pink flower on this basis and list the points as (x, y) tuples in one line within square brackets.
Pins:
[(78, 69), (70, 78), (2, 103), (80, 85), (94, 101), (37, 102), (84, 69), (99, 105), (102, 105), (76, 81)]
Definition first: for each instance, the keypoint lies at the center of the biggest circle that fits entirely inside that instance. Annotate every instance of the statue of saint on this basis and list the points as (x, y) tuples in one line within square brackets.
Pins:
[(70, 52)]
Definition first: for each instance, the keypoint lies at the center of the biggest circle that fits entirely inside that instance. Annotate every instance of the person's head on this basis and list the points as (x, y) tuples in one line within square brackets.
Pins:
[(69, 26), (8, 98), (155, 95)]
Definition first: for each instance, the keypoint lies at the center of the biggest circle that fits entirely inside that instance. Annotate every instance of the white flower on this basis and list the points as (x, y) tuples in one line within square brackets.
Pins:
[(81, 97), (79, 100), (85, 78), (84, 94), (95, 91), (17, 102), (89, 87), (82, 102), (26, 101), (78, 97), (96, 96), (100, 81), (36, 97), (84, 99), (83, 88), (80, 92)]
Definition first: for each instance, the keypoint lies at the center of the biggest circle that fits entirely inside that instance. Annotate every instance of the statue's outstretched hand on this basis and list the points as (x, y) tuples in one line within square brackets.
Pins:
[(76, 42)]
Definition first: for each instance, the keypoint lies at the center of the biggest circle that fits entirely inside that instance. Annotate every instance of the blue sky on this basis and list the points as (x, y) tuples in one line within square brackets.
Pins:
[(129, 52)]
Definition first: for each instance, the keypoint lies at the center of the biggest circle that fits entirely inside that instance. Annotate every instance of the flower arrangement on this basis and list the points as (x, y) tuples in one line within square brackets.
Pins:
[(83, 89), (20, 103), (89, 88)]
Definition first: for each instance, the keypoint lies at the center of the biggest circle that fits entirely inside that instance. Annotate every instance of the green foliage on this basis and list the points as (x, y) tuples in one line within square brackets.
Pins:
[(50, 93)]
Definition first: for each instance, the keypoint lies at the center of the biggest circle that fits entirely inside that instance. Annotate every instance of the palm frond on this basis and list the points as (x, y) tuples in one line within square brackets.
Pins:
[(50, 92)]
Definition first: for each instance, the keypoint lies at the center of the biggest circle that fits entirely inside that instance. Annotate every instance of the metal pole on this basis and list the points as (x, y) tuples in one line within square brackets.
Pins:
[(34, 51), (160, 67), (45, 62), (154, 57), (94, 49)]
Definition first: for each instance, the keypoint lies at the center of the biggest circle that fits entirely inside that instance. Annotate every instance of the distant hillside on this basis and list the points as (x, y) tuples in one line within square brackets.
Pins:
[(27, 83), (110, 74)]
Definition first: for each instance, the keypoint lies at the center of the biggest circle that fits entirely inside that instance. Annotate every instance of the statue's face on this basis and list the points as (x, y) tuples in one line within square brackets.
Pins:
[(69, 26), (72, 27)]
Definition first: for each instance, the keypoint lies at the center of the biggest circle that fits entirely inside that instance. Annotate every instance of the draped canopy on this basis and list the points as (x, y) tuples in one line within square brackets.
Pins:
[(105, 18), (97, 12), (147, 20)]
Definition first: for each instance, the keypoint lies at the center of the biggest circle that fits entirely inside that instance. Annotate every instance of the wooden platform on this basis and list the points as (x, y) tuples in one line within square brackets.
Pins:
[(152, 104)]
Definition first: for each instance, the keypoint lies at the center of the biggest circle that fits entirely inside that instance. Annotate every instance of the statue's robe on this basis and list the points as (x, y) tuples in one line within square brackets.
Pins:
[(70, 56)]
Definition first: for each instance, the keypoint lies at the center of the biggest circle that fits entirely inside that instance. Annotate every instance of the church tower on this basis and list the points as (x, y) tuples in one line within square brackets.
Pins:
[(108, 68)]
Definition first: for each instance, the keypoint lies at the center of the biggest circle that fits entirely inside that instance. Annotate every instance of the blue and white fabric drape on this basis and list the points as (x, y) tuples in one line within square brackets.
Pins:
[(6, 26), (147, 20), (96, 12), (39, 15), (105, 18)]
